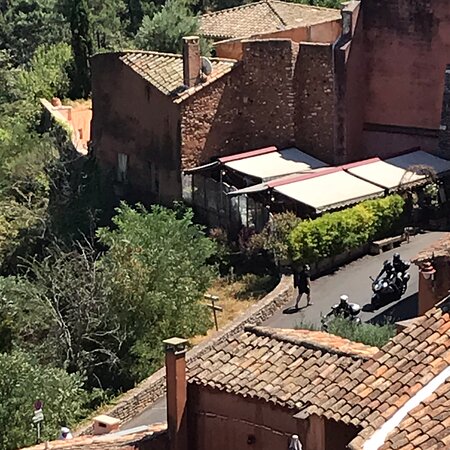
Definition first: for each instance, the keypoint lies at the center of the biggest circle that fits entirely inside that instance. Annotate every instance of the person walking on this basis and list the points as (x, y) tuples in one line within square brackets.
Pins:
[(303, 284)]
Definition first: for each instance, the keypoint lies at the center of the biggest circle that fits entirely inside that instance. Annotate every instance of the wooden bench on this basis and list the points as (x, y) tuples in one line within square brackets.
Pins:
[(386, 244)]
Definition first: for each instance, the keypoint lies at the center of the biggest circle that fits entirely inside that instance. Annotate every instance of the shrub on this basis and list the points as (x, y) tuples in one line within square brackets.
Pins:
[(366, 333), (274, 238), (335, 233)]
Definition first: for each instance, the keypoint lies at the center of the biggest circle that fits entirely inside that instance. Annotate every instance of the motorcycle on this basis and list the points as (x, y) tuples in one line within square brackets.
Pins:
[(351, 313), (388, 288)]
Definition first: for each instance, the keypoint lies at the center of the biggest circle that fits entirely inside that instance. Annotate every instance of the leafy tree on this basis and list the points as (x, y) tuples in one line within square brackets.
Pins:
[(82, 47), (164, 31), (158, 266), (61, 313), (43, 77), (274, 238), (27, 24), (22, 382)]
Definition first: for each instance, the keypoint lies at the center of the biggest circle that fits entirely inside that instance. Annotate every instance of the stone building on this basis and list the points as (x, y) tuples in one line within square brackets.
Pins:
[(376, 90), (156, 115)]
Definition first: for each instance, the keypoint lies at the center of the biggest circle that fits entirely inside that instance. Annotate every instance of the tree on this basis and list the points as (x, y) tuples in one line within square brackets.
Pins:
[(157, 263), (109, 23), (22, 382), (28, 24), (61, 312), (164, 31), (45, 76), (82, 48)]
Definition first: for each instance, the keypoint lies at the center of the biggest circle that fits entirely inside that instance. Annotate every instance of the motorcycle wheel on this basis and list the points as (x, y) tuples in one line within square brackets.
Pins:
[(375, 301)]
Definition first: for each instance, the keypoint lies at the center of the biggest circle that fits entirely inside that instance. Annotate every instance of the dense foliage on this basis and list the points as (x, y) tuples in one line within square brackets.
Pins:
[(22, 382), (105, 314), (335, 233), (274, 238), (157, 264)]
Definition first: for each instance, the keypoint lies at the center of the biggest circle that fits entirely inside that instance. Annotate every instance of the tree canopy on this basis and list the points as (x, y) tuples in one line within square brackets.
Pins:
[(22, 383)]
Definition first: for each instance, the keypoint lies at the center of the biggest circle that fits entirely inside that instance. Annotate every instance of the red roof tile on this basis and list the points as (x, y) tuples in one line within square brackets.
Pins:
[(266, 16), (165, 71), (402, 368), (286, 367)]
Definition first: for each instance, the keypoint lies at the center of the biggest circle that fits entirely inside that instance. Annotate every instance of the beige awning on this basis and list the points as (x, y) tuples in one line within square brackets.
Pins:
[(275, 164), (330, 191)]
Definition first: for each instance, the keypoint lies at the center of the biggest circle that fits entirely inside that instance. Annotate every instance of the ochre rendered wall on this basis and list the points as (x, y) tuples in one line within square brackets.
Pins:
[(130, 116), (407, 48)]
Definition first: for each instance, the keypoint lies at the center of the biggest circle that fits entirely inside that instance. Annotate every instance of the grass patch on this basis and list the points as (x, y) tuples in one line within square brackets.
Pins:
[(236, 295)]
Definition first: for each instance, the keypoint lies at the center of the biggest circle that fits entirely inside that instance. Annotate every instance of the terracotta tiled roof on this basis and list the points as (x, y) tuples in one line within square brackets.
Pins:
[(439, 249), (402, 368), (286, 367), (262, 17), (105, 442), (165, 71)]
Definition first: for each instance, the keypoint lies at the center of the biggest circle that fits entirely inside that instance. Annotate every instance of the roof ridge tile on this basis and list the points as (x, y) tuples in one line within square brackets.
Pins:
[(309, 343)]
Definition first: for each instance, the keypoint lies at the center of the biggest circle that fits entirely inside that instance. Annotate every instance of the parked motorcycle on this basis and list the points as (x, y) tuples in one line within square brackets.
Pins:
[(390, 285), (343, 309)]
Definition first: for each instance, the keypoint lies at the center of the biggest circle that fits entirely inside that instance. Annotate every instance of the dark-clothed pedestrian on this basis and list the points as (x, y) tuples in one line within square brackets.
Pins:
[(302, 283)]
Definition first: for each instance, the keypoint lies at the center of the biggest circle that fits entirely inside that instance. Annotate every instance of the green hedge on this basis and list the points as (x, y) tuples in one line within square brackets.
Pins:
[(335, 233)]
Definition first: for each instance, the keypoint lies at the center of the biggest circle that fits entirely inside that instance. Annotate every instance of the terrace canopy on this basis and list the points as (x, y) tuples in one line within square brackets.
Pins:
[(328, 190), (399, 171), (269, 163)]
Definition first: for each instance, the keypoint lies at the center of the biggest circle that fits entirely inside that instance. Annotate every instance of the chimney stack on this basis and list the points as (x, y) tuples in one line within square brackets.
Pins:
[(105, 424), (176, 388), (191, 60)]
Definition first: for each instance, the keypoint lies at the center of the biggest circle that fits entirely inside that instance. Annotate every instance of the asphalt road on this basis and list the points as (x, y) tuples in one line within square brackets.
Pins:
[(352, 280)]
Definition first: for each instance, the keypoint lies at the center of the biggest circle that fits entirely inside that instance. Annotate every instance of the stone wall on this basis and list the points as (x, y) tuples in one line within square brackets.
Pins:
[(315, 105), (280, 94), (132, 403), (444, 134), (249, 108)]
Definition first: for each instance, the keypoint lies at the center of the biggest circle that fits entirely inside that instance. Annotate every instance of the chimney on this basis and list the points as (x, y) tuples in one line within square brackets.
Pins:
[(105, 424), (191, 60), (176, 392)]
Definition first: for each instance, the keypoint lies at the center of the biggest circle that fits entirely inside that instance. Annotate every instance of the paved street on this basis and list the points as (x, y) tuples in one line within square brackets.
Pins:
[(354, 281)]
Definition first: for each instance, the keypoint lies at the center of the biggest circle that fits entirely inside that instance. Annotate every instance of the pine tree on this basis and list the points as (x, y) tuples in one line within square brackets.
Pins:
[(81, 48)]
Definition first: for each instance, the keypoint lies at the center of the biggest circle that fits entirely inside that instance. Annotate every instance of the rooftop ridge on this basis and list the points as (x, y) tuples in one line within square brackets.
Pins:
[(310, 344), (283, 22), (269, 2)]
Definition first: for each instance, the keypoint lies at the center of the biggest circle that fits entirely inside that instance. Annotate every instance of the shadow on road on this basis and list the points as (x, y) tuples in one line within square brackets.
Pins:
[(402, 310), (293, 309)]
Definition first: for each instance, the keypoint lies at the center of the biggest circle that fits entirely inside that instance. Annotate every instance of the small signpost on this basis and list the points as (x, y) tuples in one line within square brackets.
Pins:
[(214, 308), (38, 418)]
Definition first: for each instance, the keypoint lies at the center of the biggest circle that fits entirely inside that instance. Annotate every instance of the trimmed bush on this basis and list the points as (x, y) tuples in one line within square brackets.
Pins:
[(335, 233)]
